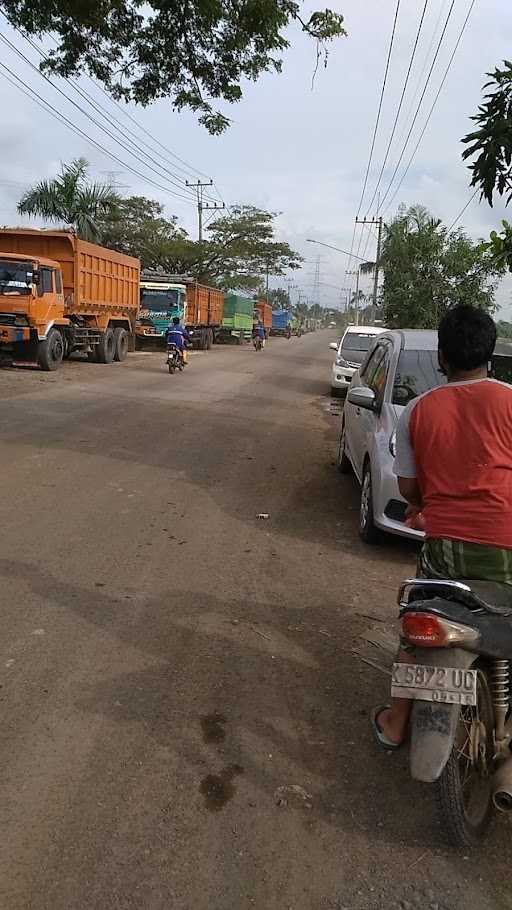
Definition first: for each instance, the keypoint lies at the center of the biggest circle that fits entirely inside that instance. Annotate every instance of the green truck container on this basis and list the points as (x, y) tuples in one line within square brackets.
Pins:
[(238, 318)]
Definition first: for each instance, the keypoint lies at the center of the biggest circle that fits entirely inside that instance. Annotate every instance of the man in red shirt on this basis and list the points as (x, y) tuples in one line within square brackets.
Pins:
[(454, 465)]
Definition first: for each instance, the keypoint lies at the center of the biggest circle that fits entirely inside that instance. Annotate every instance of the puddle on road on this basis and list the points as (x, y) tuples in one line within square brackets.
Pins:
[(218, 789), (212, 727)]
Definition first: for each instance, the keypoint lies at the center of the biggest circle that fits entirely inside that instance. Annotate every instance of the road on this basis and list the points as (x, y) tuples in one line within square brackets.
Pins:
[(184, 719)]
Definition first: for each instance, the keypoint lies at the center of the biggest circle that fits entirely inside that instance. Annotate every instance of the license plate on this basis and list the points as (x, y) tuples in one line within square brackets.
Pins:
[(447, 685)]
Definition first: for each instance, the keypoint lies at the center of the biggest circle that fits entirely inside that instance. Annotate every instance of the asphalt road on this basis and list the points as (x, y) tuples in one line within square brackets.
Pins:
[(184, 722)]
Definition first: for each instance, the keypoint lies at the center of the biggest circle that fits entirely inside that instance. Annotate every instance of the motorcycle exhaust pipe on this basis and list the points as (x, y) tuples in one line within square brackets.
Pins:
[(502, 787)]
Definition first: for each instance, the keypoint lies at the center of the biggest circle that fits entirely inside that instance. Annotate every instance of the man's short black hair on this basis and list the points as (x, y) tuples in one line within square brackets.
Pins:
[(467, 337), (175, 320)]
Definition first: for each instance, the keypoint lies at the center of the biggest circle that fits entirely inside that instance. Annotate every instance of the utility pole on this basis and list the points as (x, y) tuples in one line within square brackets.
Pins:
[(356, 298), (202, 206), (378, 222), (316, 284)]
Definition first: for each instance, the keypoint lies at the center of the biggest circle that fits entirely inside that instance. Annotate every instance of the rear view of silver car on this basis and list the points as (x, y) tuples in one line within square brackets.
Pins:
[(401, 365)]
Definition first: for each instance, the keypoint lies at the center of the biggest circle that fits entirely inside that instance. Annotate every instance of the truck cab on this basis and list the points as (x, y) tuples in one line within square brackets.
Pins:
[(160, 301), (31, 303)]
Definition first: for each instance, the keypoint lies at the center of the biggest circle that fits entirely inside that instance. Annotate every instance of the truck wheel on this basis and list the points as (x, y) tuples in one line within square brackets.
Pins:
[(105, 350), (241, 337), (209, 340), (203, 341), (120, 345), (50, 351)]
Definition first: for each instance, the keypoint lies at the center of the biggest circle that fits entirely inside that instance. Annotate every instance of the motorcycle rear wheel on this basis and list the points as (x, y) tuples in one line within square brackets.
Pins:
[(464, 790)]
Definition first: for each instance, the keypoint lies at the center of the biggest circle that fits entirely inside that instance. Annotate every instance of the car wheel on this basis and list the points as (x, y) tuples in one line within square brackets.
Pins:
[(367, 529), (342, 461)]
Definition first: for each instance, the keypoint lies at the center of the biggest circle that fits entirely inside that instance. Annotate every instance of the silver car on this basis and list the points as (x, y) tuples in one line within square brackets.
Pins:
[(401, 365)]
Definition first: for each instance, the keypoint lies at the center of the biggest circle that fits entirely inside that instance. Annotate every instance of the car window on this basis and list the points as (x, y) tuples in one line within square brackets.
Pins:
[(376, 379), (45, 281), (355, 341), (417, 372), (370, 362)]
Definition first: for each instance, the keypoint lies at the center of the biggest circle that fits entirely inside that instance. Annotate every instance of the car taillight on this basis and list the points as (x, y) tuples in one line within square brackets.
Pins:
[(429, 631)]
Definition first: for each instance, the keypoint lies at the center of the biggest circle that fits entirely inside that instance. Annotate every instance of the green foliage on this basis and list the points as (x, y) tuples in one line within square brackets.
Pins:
[(504, 329), (137, 226), (192, 53), (492, 141), (279, 299), (71, 200), (500, 247), (239, 249), (427, 270)]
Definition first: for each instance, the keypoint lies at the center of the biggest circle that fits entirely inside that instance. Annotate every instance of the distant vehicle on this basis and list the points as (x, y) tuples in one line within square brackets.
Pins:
[(199, 307), (332, 325), (400, 366), (281, 323), (351, 351)]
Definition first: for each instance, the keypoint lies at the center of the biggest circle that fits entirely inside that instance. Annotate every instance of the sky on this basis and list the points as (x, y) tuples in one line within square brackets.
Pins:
[(294, 148)]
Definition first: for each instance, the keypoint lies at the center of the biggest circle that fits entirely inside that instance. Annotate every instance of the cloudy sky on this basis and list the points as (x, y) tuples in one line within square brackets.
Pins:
[(291, 148)]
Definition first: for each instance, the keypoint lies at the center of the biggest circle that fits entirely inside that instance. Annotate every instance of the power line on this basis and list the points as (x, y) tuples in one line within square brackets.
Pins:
[(48, 108), (399, 108), (443, 80), (379, 108), (107, 132), (187, 169), (459, 216), (420, 102)]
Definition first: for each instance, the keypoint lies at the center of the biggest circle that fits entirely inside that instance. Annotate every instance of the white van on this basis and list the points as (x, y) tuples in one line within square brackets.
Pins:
[(350, 353)]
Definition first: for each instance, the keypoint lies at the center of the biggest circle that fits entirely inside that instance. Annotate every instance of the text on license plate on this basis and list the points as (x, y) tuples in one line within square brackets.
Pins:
[(448, 685)]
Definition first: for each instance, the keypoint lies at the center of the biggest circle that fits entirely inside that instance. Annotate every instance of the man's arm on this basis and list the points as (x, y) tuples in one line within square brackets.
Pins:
[(410, 490), (405, 462)]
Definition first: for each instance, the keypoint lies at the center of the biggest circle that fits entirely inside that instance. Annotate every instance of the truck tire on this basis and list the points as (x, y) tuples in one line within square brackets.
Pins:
[(105, 350), (50, 352), (121, 342), (241, 337), (203, 340), (209, 339)]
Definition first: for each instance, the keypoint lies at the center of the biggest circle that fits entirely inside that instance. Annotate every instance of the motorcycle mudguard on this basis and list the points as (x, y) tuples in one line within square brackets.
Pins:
[(433, 725)]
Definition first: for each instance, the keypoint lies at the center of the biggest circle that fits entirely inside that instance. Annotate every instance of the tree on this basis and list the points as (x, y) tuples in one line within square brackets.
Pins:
[(492, 141), (71, 200), (427, 270), (138, 227), (279, 299), (240, 248), (504, 329), (192, 53)]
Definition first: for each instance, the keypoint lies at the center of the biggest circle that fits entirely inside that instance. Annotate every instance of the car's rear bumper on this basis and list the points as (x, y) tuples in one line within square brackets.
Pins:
[(389, 507)]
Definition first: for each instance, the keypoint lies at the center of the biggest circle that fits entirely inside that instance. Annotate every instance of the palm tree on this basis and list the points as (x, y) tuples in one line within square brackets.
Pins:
[(71, 200)]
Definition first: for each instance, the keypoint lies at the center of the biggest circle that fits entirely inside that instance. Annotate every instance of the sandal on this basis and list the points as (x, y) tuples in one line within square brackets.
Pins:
[(381, 737)]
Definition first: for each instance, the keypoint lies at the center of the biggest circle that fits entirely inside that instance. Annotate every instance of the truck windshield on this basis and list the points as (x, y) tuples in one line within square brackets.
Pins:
[(158, 301), (15, 277)]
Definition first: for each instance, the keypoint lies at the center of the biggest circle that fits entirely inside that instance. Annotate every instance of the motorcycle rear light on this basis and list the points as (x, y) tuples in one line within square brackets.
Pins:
[(429, 631)]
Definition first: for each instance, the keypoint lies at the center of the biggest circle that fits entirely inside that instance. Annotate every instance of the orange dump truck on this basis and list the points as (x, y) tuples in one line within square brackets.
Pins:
[(265, 314), (59, 294)]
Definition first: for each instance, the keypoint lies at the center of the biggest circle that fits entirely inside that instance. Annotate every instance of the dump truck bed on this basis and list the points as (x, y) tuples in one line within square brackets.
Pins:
[(95, 279)]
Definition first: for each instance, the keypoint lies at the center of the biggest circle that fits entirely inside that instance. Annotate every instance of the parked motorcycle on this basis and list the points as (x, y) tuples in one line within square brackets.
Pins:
[(175, 359), (461, 727)]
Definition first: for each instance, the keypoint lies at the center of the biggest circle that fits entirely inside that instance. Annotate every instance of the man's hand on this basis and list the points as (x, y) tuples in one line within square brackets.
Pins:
[(409, 489)]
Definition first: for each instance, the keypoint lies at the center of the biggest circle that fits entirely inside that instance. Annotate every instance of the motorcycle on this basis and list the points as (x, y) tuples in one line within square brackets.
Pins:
[(175, 360), (460, 726), (258, 343)]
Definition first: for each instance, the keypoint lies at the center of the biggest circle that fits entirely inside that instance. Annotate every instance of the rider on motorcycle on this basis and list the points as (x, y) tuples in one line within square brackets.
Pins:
[(258, 331), (178, 335), (454, 466)]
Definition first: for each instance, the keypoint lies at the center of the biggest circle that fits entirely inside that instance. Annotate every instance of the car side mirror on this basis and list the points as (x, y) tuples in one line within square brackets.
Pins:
[(362, 397), (333, 346)]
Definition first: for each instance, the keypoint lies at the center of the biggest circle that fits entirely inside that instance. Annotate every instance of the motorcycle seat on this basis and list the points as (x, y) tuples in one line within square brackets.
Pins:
[(489, 596)]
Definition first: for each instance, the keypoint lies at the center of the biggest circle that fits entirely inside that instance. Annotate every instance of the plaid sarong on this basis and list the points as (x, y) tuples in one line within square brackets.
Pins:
[(461, 559)]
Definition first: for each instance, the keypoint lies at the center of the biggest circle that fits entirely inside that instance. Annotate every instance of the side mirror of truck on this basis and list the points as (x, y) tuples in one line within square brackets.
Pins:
[(36, 276)]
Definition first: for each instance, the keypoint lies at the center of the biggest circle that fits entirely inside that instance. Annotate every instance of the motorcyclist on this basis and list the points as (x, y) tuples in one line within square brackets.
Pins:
[(454, 466), (178, 335), (258, 331)]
